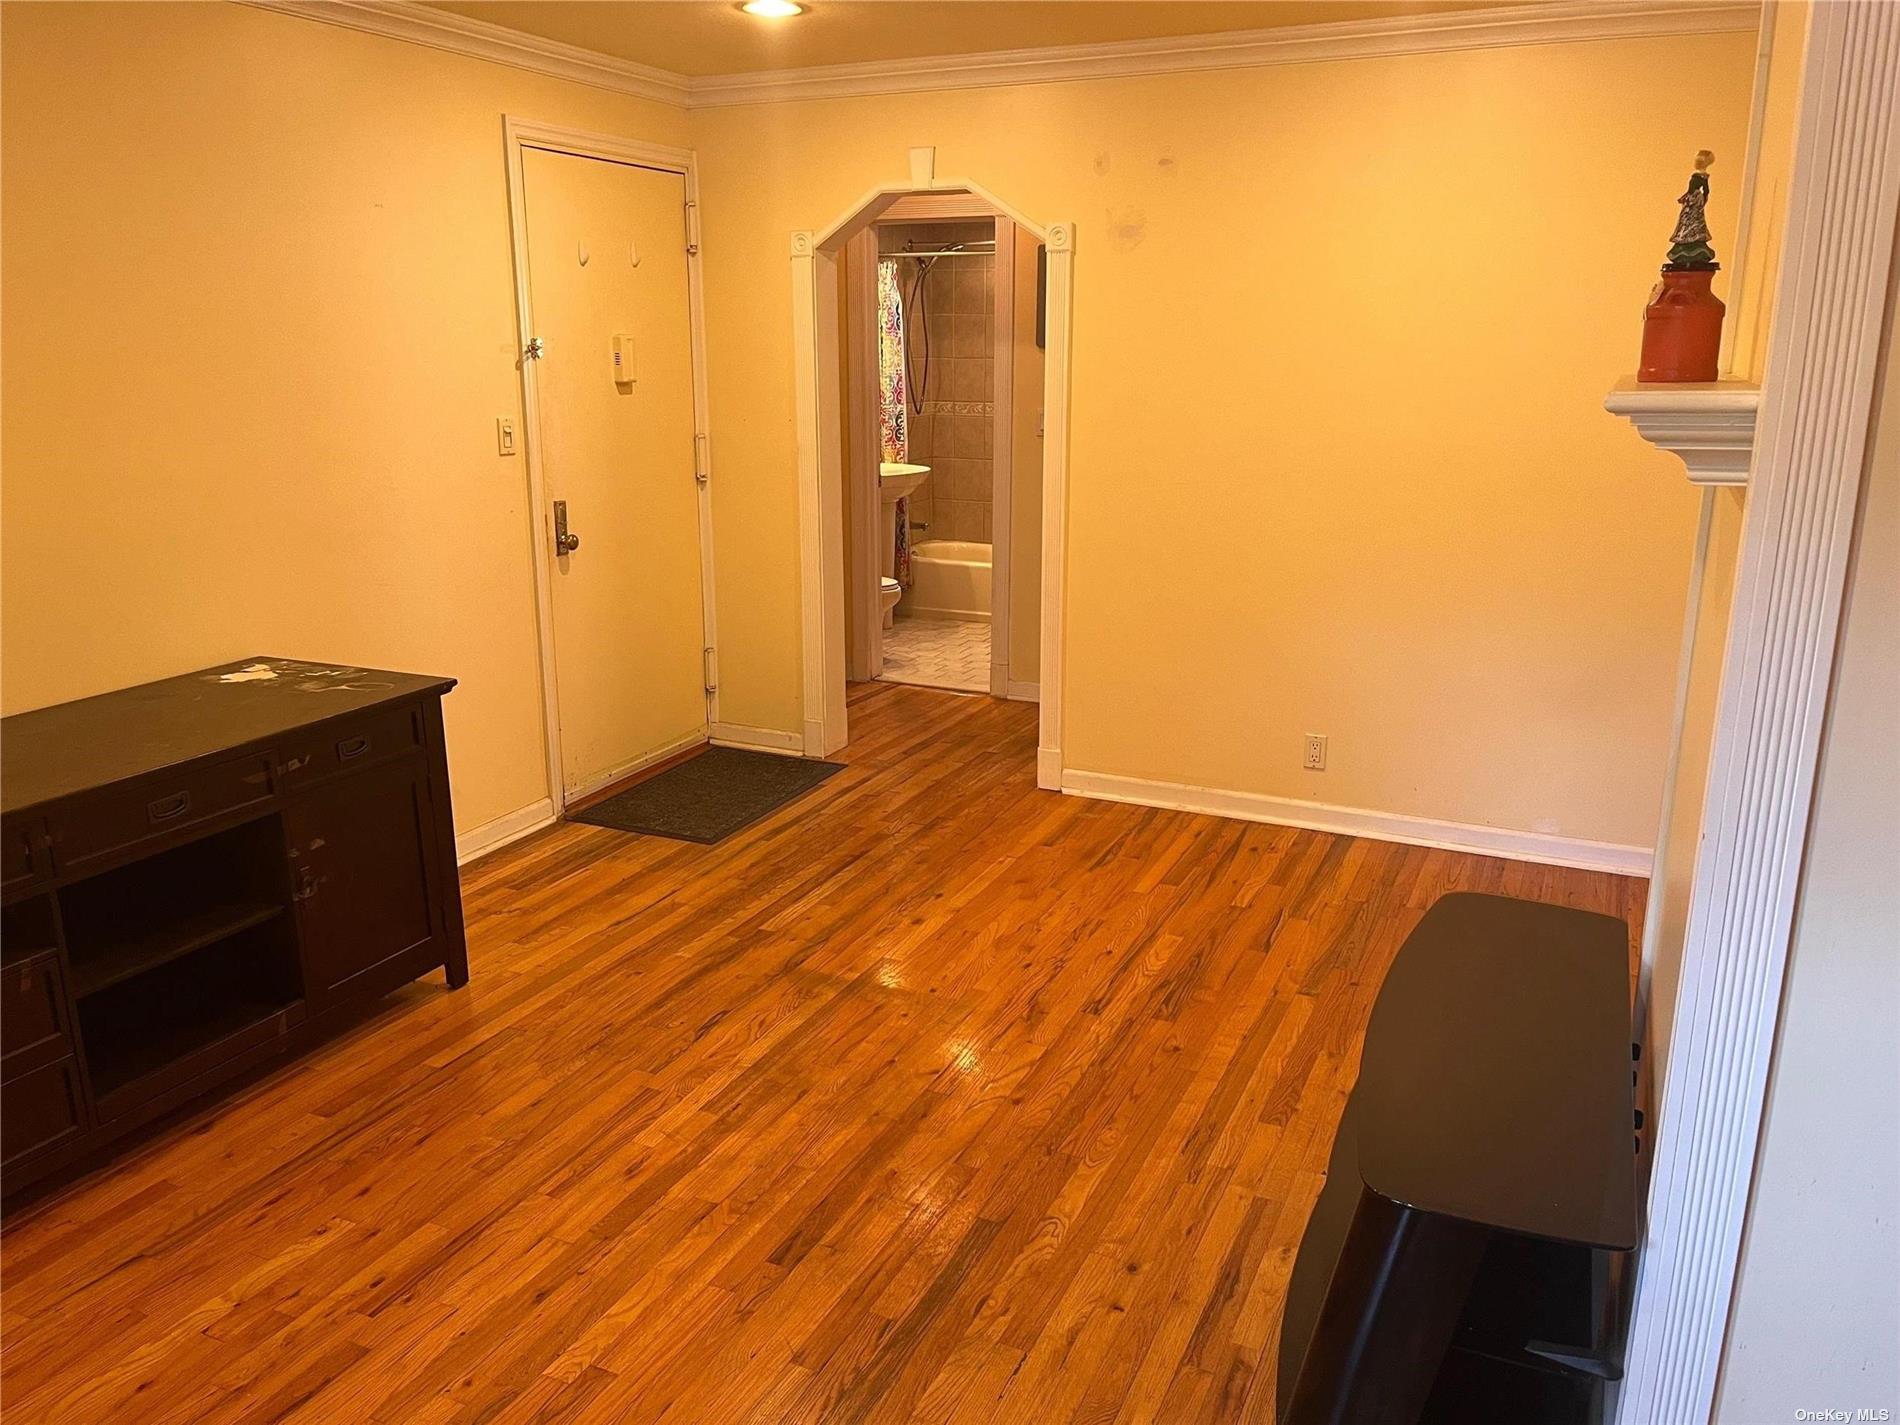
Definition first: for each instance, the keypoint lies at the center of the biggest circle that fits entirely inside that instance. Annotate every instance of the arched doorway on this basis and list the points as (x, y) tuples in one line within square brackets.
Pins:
[(822, 549)]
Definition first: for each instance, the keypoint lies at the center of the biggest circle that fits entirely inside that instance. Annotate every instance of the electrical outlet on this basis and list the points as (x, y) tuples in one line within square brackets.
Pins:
[(1315, 752)]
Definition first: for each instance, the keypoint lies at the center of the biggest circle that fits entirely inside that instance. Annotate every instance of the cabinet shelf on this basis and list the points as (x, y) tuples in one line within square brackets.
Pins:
[(98, 970), (171, 1050), (169, 1022), (131, 921)]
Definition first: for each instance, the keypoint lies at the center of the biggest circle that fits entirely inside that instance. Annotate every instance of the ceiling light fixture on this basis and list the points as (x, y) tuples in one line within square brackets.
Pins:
[(772, 9)]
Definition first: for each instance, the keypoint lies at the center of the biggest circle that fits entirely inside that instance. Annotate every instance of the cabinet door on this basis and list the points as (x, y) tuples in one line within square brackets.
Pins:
[(22, 854), (32, 1015), (361, 865), (38, 1110)]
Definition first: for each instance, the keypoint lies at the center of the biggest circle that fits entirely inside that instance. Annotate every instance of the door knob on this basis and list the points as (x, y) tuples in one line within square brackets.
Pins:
[(564, 543)]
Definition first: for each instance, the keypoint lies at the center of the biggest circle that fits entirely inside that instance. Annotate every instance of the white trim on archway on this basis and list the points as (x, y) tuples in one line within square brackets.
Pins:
[(821, 549), (1817, 410)]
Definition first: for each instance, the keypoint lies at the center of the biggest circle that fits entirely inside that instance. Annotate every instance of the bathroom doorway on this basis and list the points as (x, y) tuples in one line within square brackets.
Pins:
[(943, 375), (837, 549), (937, 323)]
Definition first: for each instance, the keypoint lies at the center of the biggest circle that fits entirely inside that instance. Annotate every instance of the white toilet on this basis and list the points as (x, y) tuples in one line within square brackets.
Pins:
[(889, 592)]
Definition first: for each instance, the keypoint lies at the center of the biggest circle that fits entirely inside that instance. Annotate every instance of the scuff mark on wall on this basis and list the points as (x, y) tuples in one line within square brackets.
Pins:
[(1127, 229), (1101, 165)]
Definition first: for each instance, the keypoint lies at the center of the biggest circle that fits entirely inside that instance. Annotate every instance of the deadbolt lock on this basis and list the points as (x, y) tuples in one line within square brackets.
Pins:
[(564, 543)]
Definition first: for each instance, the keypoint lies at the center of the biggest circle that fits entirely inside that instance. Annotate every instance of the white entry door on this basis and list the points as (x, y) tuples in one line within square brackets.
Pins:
[(614, 381)]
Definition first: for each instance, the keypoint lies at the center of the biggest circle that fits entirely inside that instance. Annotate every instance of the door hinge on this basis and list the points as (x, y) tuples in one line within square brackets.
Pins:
[(534, 350), (709, 666), (692, 229), (702, 459)]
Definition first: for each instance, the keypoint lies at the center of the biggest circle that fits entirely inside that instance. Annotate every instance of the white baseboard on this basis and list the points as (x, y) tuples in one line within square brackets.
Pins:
[(628, 768), (757, 739), (1377, 825), (1049, 768), (813, 744), (492, 835), (1021, 692), (936, 615)]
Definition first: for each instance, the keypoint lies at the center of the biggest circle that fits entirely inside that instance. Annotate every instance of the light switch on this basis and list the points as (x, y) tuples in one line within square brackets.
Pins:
[(623, 360), (504, 435)]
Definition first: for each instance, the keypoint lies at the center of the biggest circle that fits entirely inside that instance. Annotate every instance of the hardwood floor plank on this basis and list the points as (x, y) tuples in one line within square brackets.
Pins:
[(932, 1097)]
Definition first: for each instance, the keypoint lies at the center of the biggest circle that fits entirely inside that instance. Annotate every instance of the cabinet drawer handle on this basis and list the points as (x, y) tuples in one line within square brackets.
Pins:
[(167, 808), (351, 747)]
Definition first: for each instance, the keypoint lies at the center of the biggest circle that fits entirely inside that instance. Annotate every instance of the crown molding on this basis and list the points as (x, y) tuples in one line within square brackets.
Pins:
[(477, 39), (1564, 22)]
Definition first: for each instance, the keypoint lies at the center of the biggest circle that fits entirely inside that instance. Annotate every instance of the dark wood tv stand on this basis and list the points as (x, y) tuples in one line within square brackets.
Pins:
[(201, 874), (1465, 1263)]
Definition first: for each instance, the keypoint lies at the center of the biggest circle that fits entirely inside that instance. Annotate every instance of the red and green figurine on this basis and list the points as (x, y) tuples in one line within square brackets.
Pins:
[(1682, 326)]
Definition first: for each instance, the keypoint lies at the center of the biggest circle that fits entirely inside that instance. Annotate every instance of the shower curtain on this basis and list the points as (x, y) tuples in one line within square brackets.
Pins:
[(893, 437)]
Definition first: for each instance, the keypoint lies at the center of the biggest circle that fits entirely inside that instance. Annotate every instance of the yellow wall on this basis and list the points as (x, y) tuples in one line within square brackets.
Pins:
[(1692, 775), (1780, 97), (1747, 330), (259, 321), (1338, 462)]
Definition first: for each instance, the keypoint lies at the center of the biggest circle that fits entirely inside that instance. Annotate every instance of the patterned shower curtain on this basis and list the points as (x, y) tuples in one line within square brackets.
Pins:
[(892, 397)]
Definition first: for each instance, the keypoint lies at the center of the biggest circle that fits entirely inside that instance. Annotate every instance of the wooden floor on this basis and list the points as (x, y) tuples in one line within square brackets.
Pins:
[(933, 1097)]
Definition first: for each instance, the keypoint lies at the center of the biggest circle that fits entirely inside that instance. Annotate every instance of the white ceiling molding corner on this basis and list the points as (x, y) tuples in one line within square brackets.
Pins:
[(477, 39), (1567, 22)]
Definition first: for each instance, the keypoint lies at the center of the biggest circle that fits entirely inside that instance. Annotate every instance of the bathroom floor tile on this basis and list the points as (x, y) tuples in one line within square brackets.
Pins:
[(938, 653)]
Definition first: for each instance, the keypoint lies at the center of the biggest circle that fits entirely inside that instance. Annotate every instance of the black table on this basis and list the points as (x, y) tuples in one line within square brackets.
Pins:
[(1465, 1259)]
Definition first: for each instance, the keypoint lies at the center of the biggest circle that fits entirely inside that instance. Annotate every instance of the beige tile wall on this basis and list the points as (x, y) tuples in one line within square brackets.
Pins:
[(953, 433)]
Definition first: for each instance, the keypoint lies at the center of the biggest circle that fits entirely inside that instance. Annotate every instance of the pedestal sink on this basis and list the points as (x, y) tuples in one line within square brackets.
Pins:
[(895, 480)]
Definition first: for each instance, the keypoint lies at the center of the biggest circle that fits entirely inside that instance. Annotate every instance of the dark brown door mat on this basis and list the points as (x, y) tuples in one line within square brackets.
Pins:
[(706, 799)]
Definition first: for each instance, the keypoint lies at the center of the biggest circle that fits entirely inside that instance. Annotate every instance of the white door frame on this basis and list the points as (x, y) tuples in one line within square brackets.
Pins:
[(816, 336), (1002, 451), (862, 452), (1817, 405), (519, 134)]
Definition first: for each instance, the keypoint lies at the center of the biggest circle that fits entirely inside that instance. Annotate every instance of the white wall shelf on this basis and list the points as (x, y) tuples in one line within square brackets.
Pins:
[(1708, 425)]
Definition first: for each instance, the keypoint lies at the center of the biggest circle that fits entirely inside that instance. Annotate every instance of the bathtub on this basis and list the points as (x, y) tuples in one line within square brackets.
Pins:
[(949, 578)]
